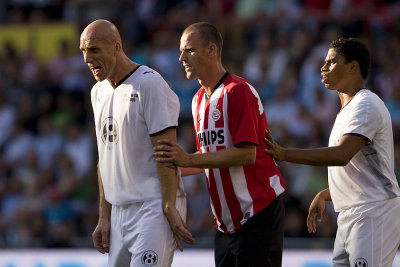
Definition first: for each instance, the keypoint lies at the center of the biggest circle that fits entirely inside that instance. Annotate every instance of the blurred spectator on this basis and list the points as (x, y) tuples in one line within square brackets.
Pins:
[(7, 118), (48, 143), (58, 66), (18, 146), (79, 148)]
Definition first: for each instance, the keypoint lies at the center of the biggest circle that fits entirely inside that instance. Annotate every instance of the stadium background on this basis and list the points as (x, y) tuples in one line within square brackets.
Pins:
[(48, 183)]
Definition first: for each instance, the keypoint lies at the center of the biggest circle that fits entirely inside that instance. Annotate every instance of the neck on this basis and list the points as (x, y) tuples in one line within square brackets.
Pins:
[(213, 77), (123, 68), (347, 96)]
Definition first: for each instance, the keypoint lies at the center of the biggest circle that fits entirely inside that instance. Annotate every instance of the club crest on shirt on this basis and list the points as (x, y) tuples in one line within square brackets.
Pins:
[(216, 114), (109, 133)]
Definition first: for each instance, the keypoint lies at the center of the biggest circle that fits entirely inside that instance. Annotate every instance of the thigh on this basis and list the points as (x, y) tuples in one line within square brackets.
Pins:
[(119, 255), (260, 241), (340, 257), (222, 252), (374, 238), (148, 236)]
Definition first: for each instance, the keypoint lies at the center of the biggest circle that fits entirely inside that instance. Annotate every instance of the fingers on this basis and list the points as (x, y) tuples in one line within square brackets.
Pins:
[(163, 148), (179, 227), (311, 224), (105, 242), (178, 243), (187, 237), (268, 152), (165, 142), (268, 142), (164, 152), (268, 134), (319, 215), (183, 234), (100, 242)]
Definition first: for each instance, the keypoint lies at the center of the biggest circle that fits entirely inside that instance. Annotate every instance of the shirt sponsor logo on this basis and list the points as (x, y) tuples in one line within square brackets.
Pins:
[(211, 137)]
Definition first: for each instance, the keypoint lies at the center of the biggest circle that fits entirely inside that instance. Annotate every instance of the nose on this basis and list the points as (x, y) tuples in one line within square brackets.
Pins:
[(87, 58), (324, 67), (181, 57)]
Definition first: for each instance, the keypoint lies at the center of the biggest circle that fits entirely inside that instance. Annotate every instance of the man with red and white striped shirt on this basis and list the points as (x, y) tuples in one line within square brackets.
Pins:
[(244, 183)]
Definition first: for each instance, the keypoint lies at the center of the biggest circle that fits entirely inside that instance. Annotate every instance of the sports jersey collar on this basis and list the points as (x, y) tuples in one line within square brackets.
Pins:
[(218, 84), (127, 76), (222, 80)]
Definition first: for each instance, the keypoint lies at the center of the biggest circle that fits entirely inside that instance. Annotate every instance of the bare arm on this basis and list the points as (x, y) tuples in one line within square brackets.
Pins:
[(168, 151), (338, 155), (190, 171), (101, 234), (168, 176)]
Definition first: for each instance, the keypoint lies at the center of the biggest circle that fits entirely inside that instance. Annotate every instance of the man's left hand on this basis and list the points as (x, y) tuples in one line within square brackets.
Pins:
[(167, 151)]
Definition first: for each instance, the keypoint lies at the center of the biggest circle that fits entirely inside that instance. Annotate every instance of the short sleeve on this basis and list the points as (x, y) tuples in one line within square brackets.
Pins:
[(160, 104), (244, 108), (364, 119)]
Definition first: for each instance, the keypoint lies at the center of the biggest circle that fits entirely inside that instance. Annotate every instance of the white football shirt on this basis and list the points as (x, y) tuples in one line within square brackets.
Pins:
[(125, 117), (369, 176)]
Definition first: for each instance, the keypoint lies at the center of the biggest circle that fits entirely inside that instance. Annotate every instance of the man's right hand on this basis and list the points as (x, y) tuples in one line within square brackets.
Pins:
[(274, 149), (179, 228), (315, 212), (101, 236)]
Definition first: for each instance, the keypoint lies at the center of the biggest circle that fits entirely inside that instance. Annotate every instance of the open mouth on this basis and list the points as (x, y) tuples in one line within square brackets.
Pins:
[(96, 70), (323, 80)]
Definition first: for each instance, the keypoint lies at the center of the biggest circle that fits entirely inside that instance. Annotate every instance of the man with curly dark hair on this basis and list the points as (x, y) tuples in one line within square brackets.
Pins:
[(360, 156)]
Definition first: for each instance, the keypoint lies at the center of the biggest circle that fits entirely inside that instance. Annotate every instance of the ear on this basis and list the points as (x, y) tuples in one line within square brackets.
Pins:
[(118, 47), (354, 67), (211, 49)]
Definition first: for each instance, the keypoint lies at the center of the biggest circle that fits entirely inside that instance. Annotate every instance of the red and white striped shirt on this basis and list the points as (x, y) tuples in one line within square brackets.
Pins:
[(234, 114)]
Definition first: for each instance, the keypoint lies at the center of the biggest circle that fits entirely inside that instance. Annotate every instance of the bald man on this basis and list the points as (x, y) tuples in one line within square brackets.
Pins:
[(142, 203)]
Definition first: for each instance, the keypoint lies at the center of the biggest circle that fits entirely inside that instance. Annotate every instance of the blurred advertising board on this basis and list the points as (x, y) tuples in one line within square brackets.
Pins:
[(43, 39), (187, 258)]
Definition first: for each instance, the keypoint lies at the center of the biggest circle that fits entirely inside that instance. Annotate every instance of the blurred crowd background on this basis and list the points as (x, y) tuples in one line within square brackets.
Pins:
[(48, 154)]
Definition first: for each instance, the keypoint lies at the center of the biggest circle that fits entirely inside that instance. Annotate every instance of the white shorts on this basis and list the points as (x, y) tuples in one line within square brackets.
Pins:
[(141, 236), (368, 235)]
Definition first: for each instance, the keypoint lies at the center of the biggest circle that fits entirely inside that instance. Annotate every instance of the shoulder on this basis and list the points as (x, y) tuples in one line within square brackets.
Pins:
[(98, 87), (370, 106), (148, 81), (235, 83), (369, 100), (239, 87), (147, 76)]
